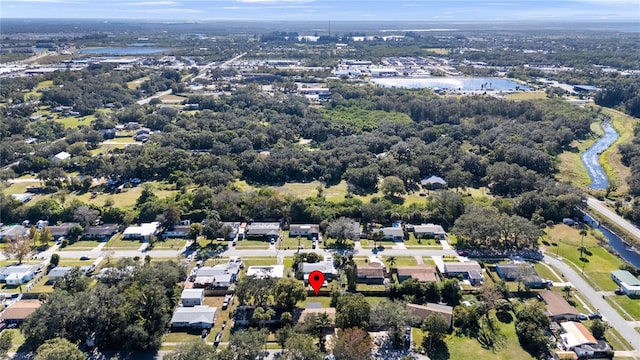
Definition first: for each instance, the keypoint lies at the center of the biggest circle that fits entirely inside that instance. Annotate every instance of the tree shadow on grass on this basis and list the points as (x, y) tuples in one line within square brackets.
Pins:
[(504, 317), (439, 351)]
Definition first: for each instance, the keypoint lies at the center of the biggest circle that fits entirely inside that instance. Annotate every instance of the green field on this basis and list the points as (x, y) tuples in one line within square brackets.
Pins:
[(630, 306), (600, 263), (117, 242), (527, 95), (81, 245), (260, 261), (170, 244)]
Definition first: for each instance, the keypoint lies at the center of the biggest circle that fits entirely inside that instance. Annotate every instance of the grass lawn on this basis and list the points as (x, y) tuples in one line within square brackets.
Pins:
[(105, 148), (257, 261), (462, 347), (124, 199), (170, 244), (180, 337), (41, 287), (45, 84), (19, 188), (631, 306), (70, 262), (172, 98), (325, 301), (117, 242), (616, 340), (252, 244), (544, 272), (601, 262), (527, 95), (413, 242), (75, 121), (570, 165), (81, 245), (292, 242)]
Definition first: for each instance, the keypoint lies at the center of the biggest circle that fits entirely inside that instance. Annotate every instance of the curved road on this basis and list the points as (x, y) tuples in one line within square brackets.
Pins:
[(602, 208), (595, 298)]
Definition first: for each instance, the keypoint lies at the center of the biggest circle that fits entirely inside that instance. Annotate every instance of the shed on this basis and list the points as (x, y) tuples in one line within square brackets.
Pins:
[(192, 297)]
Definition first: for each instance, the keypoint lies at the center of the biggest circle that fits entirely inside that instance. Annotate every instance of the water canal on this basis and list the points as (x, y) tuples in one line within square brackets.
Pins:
[(591, 157)]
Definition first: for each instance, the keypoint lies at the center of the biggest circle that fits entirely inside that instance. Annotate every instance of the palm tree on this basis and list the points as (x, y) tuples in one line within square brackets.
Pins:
[(567, 291), (583, 233), (391, 260)]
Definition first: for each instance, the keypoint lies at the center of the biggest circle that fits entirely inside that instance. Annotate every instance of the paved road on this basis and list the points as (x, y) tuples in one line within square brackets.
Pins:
[(116, 253), (600, 207), (203, 71), (596, 299), (157, 95)]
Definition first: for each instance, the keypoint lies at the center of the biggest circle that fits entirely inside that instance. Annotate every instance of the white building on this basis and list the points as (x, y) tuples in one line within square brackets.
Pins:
[(263, 272), (192, 297), (142, 232), (60, 157), (195, 317), (17, 274)]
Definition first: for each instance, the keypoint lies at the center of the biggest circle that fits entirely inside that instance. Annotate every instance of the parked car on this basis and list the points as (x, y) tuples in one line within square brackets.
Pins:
[(583, 317), (595, 316), (619, 292), (217, 339), (205, 332)]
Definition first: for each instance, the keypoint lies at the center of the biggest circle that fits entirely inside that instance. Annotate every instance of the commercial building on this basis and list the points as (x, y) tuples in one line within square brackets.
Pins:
[(629, 284)]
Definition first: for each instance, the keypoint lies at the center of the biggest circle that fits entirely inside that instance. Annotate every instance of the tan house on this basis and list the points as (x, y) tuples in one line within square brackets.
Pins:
[(422, 272), (557, 307), (417, 313)]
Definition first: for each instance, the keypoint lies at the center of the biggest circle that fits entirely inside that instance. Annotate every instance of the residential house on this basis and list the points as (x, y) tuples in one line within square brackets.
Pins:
[(17, 312), (25, 197), (60, 157), (142, 232), (325, 267), (100, 232), (331, 313), (577, 338), (422, 272), (311, 231), (59, 272), (557, 307), (393, 233), (218, 276), (468, 270), (417, 313), (235, 227), (263, 272), (17, 274), (263, 230), (371, 273), (357, 231), (62, 230), (13, 232), (430, 231), (194, 317), (433, 182), (192, 297), (178, 231), (520, 271), (629, 284)]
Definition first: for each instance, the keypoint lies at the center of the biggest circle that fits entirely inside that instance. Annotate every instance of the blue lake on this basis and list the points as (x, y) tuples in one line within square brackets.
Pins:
[(591, 158), (453, 83), (139, 50)]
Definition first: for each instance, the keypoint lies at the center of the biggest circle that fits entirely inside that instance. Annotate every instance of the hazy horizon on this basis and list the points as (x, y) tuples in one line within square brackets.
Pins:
[(436, 11)]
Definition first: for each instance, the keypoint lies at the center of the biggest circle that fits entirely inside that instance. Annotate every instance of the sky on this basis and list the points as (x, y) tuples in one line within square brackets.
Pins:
[(334, 10)]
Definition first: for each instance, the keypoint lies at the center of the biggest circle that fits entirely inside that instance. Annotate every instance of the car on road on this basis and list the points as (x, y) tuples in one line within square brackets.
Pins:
[(85, 258)]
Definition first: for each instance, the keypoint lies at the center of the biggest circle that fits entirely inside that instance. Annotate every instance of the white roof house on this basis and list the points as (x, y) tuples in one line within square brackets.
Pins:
[(61, 156), (262, 272), (199, 317), (142, 231), (575, 334), (192, 297)]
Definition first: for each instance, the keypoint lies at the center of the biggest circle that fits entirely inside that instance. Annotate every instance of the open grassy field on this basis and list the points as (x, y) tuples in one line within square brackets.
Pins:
[(630, 306), (600, 263), (260, 261), (252, 244), (570, 167), (463, 347), (170, 244), (75, 121), (44, 84), (528, 95), (134, 84), (288, 242)]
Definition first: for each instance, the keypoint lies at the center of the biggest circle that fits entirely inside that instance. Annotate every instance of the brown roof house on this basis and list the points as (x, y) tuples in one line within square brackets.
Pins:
[(417, 313), (371, 273), (422, 272), (557, 307), (19, 311)]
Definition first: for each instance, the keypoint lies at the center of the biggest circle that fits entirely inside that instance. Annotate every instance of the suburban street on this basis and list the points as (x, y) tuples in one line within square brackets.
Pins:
[(600, 207), (596, 299)]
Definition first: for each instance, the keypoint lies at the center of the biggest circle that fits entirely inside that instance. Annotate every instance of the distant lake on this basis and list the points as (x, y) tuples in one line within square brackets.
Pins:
[(453, 83), (139, 50)]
